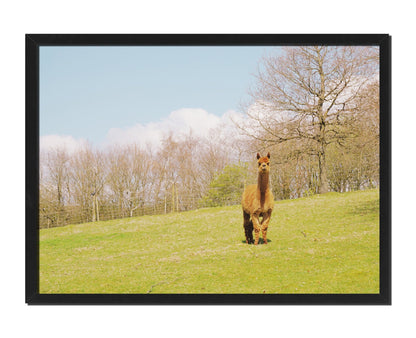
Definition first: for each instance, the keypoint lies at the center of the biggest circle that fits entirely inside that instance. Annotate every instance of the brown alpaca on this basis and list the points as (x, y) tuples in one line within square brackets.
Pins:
[(258, 202)]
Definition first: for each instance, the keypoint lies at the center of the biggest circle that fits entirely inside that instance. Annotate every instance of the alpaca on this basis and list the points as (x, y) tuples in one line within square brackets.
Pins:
[(258, 202)]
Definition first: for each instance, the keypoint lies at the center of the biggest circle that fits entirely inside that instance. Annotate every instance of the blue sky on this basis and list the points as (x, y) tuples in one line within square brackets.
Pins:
[(93, 92)]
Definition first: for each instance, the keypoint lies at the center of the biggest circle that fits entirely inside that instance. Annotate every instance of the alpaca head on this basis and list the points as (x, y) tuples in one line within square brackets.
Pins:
[(263, 163)]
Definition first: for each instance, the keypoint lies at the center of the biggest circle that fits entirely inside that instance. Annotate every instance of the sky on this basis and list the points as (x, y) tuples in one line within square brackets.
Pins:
[(110, 95)]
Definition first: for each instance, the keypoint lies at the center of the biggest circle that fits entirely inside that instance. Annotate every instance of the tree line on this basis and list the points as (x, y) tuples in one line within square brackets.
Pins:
[(123, 181), (316, 109)]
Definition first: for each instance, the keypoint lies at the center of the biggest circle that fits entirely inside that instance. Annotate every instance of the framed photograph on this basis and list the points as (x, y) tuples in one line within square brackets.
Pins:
[(208, 169)]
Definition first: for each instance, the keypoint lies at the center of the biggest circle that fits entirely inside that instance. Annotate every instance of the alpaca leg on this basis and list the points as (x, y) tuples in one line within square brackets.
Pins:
[(248, 228), (265, 225), (257, 227)]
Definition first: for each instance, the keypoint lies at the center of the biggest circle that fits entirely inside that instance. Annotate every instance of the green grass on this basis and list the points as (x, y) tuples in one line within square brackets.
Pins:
[(322, 244)]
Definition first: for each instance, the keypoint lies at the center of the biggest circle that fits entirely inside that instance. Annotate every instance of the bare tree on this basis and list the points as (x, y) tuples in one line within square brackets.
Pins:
[(57, 167), (87, 181), (118, 178), (309, 94), (54, 187)]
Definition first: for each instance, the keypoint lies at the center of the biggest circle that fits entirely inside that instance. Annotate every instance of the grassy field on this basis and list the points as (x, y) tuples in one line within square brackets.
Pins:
[(322, 244)]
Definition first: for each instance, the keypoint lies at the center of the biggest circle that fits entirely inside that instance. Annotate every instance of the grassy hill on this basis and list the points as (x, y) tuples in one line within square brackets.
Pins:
[(322, 244)]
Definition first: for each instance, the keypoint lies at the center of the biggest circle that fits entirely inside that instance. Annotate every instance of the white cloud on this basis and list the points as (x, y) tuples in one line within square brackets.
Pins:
[(178, 122), (49, 142)]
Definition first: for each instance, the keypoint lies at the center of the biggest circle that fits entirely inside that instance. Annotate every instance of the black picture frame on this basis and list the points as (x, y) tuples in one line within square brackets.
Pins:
[(34, 41)]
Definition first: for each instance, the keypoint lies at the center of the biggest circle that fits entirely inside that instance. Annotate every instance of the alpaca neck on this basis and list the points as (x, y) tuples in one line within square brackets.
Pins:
[(263, 182)]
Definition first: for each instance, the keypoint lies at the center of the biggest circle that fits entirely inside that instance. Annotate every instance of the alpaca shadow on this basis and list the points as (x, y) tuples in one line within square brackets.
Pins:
[(261, 241)]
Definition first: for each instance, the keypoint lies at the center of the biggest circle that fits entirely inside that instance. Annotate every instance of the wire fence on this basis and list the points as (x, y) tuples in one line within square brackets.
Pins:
[(56, 216), (103, 208)]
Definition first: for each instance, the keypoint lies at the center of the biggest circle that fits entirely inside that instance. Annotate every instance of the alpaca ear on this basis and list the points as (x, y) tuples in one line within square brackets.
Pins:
[(268, 155), (258, 155)]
